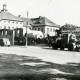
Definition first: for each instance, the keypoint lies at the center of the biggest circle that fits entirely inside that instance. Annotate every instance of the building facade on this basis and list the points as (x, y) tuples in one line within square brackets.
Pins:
[(16, 26), (70, 29), (10, 25), (44, 25)]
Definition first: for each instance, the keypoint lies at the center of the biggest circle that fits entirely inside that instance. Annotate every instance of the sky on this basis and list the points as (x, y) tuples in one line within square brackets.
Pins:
[(58, 11)]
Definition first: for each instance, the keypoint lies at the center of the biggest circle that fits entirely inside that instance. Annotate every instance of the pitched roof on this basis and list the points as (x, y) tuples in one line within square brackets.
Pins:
[(41, 21), (69, 26), (49, 22), (8, 16)]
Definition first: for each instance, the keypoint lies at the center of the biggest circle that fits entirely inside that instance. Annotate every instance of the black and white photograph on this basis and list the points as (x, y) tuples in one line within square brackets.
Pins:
[(39, 39)]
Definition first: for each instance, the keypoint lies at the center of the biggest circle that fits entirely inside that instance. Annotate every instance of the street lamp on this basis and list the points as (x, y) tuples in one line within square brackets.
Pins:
[(26, 29)]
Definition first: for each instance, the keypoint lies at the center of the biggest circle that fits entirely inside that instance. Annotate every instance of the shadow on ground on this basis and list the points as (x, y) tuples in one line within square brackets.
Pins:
[(14, 67)]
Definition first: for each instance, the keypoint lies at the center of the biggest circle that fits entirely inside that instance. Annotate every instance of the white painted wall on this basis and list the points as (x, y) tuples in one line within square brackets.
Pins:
[(45, 32), (40, 28), (51, 33), (10, 24)]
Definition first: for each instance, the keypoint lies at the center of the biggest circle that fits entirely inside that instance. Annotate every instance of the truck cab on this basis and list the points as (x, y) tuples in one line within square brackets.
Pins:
[(66, 41)]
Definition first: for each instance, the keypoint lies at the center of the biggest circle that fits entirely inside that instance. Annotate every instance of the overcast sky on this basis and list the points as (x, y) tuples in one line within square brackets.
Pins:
[(59, 11)]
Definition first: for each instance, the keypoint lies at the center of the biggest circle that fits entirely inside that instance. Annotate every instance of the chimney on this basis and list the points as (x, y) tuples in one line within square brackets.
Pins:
[(39, 16), (19, 16)]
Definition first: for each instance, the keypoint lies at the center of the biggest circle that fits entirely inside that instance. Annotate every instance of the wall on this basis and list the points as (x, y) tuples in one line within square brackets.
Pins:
[(50, 30), (75, 30), (39, 28), (10, 24)]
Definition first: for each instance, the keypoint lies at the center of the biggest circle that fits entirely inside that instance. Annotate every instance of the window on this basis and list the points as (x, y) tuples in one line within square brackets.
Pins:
[(17, 22), (4, 27), (76, 32), (42, 29), (13, 21), (8, 21), (38, 29), (53, 29), (26, 23), (50, 29), (8, 27), (5, 32), (35, 28), (65, 28), (47, 29)]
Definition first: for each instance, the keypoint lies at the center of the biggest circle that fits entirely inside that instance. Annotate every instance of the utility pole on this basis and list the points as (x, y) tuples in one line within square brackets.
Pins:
[(13, 36), (26, 29)]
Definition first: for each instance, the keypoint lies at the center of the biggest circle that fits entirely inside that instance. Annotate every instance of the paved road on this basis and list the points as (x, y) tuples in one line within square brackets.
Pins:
[(44, 53)]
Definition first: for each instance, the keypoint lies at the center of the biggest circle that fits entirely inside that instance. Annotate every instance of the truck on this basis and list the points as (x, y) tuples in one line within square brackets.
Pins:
[(68, 40)]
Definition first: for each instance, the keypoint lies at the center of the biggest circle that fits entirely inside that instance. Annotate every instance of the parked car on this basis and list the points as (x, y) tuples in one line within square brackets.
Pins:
[(4, 42)]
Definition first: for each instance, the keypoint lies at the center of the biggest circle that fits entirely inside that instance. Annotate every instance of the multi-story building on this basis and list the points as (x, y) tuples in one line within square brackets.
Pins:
[(9, 24), (45, 25), (70, 29), (9, 21)]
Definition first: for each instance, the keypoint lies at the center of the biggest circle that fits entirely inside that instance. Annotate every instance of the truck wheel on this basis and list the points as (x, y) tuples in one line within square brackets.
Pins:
[(54, 46), (77, 49), (62, 48), (2, 44), (71, 47)]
